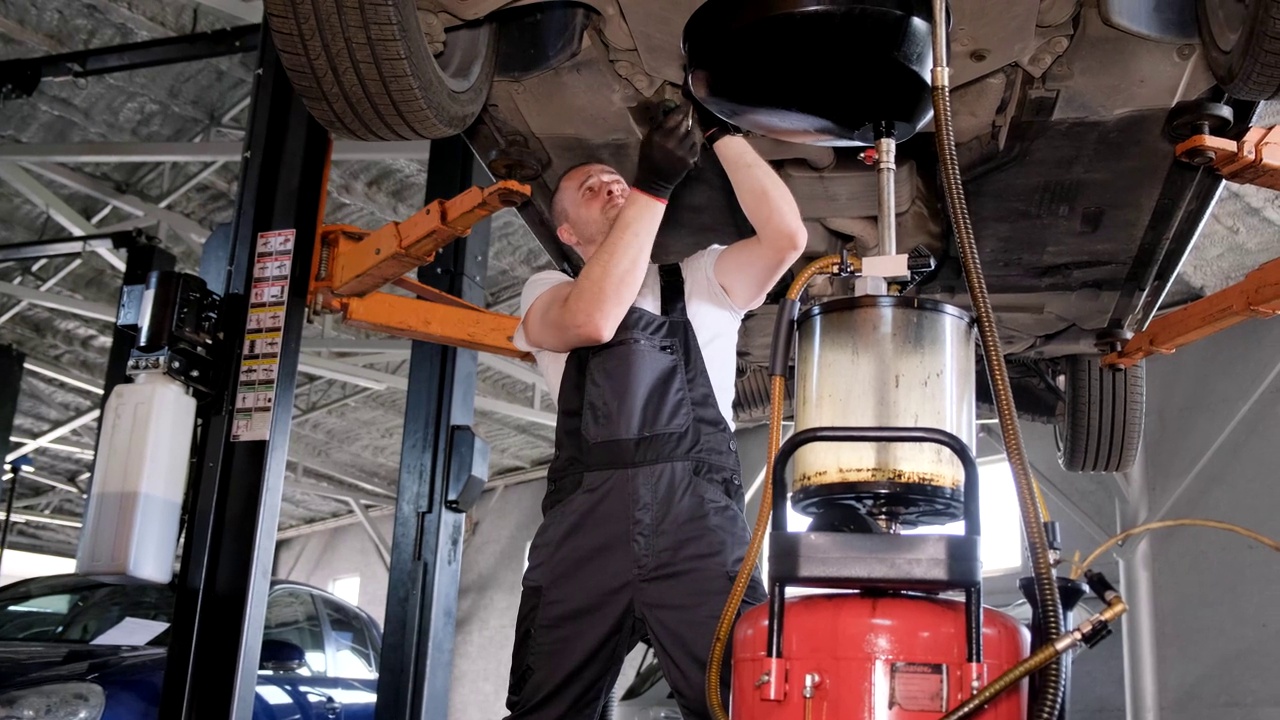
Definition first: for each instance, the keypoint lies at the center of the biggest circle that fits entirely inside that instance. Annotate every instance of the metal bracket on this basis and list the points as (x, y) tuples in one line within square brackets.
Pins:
[(353, 265), (466, 481)]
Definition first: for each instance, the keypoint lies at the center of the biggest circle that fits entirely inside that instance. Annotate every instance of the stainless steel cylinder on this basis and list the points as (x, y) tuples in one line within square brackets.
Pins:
[(887, 218), (884, 362)]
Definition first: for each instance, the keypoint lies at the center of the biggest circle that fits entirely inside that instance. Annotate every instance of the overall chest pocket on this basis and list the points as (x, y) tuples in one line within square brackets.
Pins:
[(635, 387)]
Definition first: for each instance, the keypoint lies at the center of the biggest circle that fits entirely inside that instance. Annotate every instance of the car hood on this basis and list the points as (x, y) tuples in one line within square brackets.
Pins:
[(22, 662)]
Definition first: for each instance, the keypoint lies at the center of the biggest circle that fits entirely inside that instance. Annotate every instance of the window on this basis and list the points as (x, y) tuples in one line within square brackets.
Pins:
[(292, 618), (355, 654), (1001, 520), (78, 610), (347, 588)]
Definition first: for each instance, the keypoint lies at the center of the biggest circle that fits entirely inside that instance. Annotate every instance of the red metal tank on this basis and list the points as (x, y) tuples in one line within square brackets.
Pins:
[(873, 657)]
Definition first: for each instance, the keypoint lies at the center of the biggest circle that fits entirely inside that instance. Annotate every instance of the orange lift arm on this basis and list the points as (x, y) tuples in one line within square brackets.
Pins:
[(1257, 296), (1254, 160), (353, 266)]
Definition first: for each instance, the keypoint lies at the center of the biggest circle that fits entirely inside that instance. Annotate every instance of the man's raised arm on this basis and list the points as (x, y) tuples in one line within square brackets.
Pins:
[(748, 269), (588, 310)]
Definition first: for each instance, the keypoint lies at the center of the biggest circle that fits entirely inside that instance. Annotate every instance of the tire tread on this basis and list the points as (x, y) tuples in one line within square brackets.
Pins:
[(1100, 427), (361, 71)]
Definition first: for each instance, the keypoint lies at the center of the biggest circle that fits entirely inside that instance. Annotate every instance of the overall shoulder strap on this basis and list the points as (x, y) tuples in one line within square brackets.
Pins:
[(671, 280)]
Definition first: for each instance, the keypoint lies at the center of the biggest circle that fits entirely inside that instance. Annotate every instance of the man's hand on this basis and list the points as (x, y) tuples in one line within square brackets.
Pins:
[(667, 153)]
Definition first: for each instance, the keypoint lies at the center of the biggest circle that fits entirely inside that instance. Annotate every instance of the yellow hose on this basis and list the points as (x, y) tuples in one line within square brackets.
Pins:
[(1044, 509), (777, 395), (1196, 522)]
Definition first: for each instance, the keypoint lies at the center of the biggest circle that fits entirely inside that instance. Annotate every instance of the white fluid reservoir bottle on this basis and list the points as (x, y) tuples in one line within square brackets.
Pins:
[(135, 503)]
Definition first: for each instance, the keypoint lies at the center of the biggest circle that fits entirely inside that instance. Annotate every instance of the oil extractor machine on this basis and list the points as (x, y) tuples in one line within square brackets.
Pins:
[(884, 409)]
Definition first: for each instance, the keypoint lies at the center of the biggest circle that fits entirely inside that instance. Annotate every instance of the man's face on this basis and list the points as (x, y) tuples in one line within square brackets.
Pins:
[(591, 196)]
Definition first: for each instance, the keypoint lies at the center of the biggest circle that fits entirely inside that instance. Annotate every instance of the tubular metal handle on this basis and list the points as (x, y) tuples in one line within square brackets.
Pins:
[(972, 521)]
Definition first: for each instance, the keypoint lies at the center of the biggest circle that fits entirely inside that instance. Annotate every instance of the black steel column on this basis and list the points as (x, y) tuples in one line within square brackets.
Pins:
[(231, 532), (11, 367), (422, 599)]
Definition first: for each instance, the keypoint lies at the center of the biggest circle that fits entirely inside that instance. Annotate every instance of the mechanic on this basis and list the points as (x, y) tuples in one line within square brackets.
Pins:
[(643, 527)]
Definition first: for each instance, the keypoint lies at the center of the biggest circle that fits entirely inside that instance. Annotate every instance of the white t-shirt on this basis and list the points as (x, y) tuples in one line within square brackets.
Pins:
[(714, 317)]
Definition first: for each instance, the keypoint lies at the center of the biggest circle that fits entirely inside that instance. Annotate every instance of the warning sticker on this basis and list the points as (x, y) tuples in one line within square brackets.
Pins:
[(264, 327), (918, 687)]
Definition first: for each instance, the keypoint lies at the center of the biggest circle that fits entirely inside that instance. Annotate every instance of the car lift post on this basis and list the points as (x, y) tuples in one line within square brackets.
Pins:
[(11, 365), (439, 454), (236, 488)]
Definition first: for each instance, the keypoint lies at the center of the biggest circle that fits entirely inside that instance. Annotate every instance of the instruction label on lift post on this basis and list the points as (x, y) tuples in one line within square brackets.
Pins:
[(260, 362)]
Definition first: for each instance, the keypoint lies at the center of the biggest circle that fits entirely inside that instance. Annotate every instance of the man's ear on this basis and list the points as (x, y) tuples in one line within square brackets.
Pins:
[(568, 236)]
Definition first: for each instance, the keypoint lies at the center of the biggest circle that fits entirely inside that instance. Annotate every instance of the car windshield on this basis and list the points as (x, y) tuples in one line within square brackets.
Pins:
[(82, 610)]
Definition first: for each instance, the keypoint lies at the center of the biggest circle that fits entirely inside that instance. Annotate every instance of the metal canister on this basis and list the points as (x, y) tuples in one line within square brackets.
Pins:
[(878, 361)]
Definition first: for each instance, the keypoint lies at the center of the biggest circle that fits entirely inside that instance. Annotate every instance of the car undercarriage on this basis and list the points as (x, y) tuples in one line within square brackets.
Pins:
[(1066, 114)]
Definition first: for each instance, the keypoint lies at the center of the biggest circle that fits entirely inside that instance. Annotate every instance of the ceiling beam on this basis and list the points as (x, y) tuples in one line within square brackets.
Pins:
[(353, 374), (53, 434), (514, 368), (354, 345), (541, 417), (207, 152), (378, 542), (303, 486), (75, 306), (54, 280), (63, 376), (181, 224), (304, 467), (59, 210), (333, 405), (62, 520), (72, 449), (378, 380)]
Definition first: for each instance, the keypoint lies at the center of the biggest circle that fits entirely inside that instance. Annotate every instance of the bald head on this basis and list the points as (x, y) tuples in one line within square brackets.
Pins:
[(585, 205)]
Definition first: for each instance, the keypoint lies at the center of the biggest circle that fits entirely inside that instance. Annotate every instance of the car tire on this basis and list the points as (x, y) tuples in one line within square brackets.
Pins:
[(1101, 416), (364, 70), (1242, 45)]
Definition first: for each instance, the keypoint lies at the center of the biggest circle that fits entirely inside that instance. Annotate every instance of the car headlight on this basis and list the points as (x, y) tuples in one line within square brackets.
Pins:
[(60, 701)]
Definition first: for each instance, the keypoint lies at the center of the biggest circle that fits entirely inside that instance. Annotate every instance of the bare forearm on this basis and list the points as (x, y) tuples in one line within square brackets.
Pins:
[(765, 198), (610, 281)]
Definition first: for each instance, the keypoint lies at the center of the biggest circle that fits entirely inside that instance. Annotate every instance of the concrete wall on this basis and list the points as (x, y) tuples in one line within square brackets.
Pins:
[(1213, 450), (316, 559), (1084, 507), (492, 565)]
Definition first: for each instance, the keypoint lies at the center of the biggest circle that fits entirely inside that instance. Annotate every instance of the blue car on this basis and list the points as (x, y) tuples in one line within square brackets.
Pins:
[(74, 648)]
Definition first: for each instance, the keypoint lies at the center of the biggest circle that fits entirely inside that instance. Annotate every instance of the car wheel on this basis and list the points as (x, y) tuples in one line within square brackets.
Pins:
[(1100, 418), (1242, 45), (364, 70)]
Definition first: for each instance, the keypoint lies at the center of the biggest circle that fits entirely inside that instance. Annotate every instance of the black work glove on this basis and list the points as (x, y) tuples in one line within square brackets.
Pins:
[(667, 152), (713, 126)]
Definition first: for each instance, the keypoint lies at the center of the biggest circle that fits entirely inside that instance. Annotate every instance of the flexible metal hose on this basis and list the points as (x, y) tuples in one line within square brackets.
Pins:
[(777, 398), (1043, 657), (1049, 699)]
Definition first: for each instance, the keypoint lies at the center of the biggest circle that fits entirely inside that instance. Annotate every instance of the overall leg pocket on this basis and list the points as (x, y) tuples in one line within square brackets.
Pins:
[(526, 637), (635, 387)]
